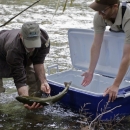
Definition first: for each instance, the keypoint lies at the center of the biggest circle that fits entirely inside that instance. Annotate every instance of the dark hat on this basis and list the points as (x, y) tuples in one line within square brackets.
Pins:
[(31, 35), (100, 5)]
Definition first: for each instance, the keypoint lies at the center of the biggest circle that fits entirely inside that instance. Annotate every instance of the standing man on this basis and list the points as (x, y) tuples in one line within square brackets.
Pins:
[(109, 13), (22, 54)]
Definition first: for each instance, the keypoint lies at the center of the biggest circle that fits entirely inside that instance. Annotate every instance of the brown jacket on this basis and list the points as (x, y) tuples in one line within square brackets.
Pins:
[(12, 51)]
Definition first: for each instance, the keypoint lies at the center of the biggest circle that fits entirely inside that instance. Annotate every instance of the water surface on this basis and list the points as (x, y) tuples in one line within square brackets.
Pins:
[(13, 116)]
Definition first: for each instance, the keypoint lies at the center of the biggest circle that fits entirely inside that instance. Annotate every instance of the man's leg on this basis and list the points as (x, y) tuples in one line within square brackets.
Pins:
[(33, 82), (2, 89), (5, 72)]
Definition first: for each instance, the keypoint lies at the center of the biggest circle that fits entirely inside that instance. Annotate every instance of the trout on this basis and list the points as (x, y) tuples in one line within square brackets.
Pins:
[(44, 101)]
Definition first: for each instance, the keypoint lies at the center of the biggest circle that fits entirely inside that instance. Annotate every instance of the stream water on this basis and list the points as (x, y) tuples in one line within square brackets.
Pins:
[(13, 116)]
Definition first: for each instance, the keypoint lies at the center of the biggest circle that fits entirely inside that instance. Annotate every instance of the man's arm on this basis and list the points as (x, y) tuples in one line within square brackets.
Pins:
[(113, 90), (23, 91), (40, 72), (95, 51)]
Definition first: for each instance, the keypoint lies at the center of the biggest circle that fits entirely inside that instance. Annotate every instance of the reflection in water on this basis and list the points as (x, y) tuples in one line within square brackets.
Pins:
[(13, 116)]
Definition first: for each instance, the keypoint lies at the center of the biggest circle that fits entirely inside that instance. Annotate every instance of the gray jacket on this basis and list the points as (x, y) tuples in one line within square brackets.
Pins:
[(12, 51)]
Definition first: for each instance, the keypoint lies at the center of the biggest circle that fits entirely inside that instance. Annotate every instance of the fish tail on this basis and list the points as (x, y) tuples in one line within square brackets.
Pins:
[(67, 84)]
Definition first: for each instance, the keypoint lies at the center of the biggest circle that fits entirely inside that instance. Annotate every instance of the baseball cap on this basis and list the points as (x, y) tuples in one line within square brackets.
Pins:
[(99, 5), (31, 35)]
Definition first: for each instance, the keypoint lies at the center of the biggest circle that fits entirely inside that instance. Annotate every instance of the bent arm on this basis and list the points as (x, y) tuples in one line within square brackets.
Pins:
[(123, 66), (95, 51), (40, 72), (113, 90), (15, 61)]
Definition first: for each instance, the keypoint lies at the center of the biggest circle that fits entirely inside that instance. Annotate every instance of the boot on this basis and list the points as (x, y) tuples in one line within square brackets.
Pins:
[(2, 89)]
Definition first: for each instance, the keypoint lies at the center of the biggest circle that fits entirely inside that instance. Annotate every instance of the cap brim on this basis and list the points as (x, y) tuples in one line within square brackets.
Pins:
[(32, 43), (97, 7)]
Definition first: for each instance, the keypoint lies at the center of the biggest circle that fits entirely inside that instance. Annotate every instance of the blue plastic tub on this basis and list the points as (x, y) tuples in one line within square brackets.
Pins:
[(80, 41)]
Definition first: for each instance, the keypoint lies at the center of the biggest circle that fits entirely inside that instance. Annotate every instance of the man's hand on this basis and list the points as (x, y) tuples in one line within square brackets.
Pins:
[(87, 78), (45, 87), (112, 92), (33, 106), (23, 91), (40, 72)]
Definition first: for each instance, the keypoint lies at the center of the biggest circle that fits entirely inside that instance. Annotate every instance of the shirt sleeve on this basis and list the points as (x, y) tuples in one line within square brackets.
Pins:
[(99, 24), (15, 61)]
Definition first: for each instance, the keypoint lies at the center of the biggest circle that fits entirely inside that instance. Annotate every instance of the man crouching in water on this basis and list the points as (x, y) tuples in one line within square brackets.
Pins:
[(22, 54)]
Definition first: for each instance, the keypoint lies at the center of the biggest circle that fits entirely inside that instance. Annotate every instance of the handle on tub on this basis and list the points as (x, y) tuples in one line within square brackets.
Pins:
[(51, 67), (123, 95), (127, 94)]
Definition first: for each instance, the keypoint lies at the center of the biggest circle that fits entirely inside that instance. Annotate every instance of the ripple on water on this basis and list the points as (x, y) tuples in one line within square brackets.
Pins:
[(58, 110)]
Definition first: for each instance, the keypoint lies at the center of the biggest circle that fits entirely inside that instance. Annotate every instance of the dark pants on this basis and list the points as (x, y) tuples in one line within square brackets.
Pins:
[(32, 81)]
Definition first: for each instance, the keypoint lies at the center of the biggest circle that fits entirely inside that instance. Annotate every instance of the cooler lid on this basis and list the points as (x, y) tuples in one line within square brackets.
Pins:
[(80, 41)]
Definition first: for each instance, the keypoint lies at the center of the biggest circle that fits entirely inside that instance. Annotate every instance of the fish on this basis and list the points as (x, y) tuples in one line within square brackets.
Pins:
[(44, 101)]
